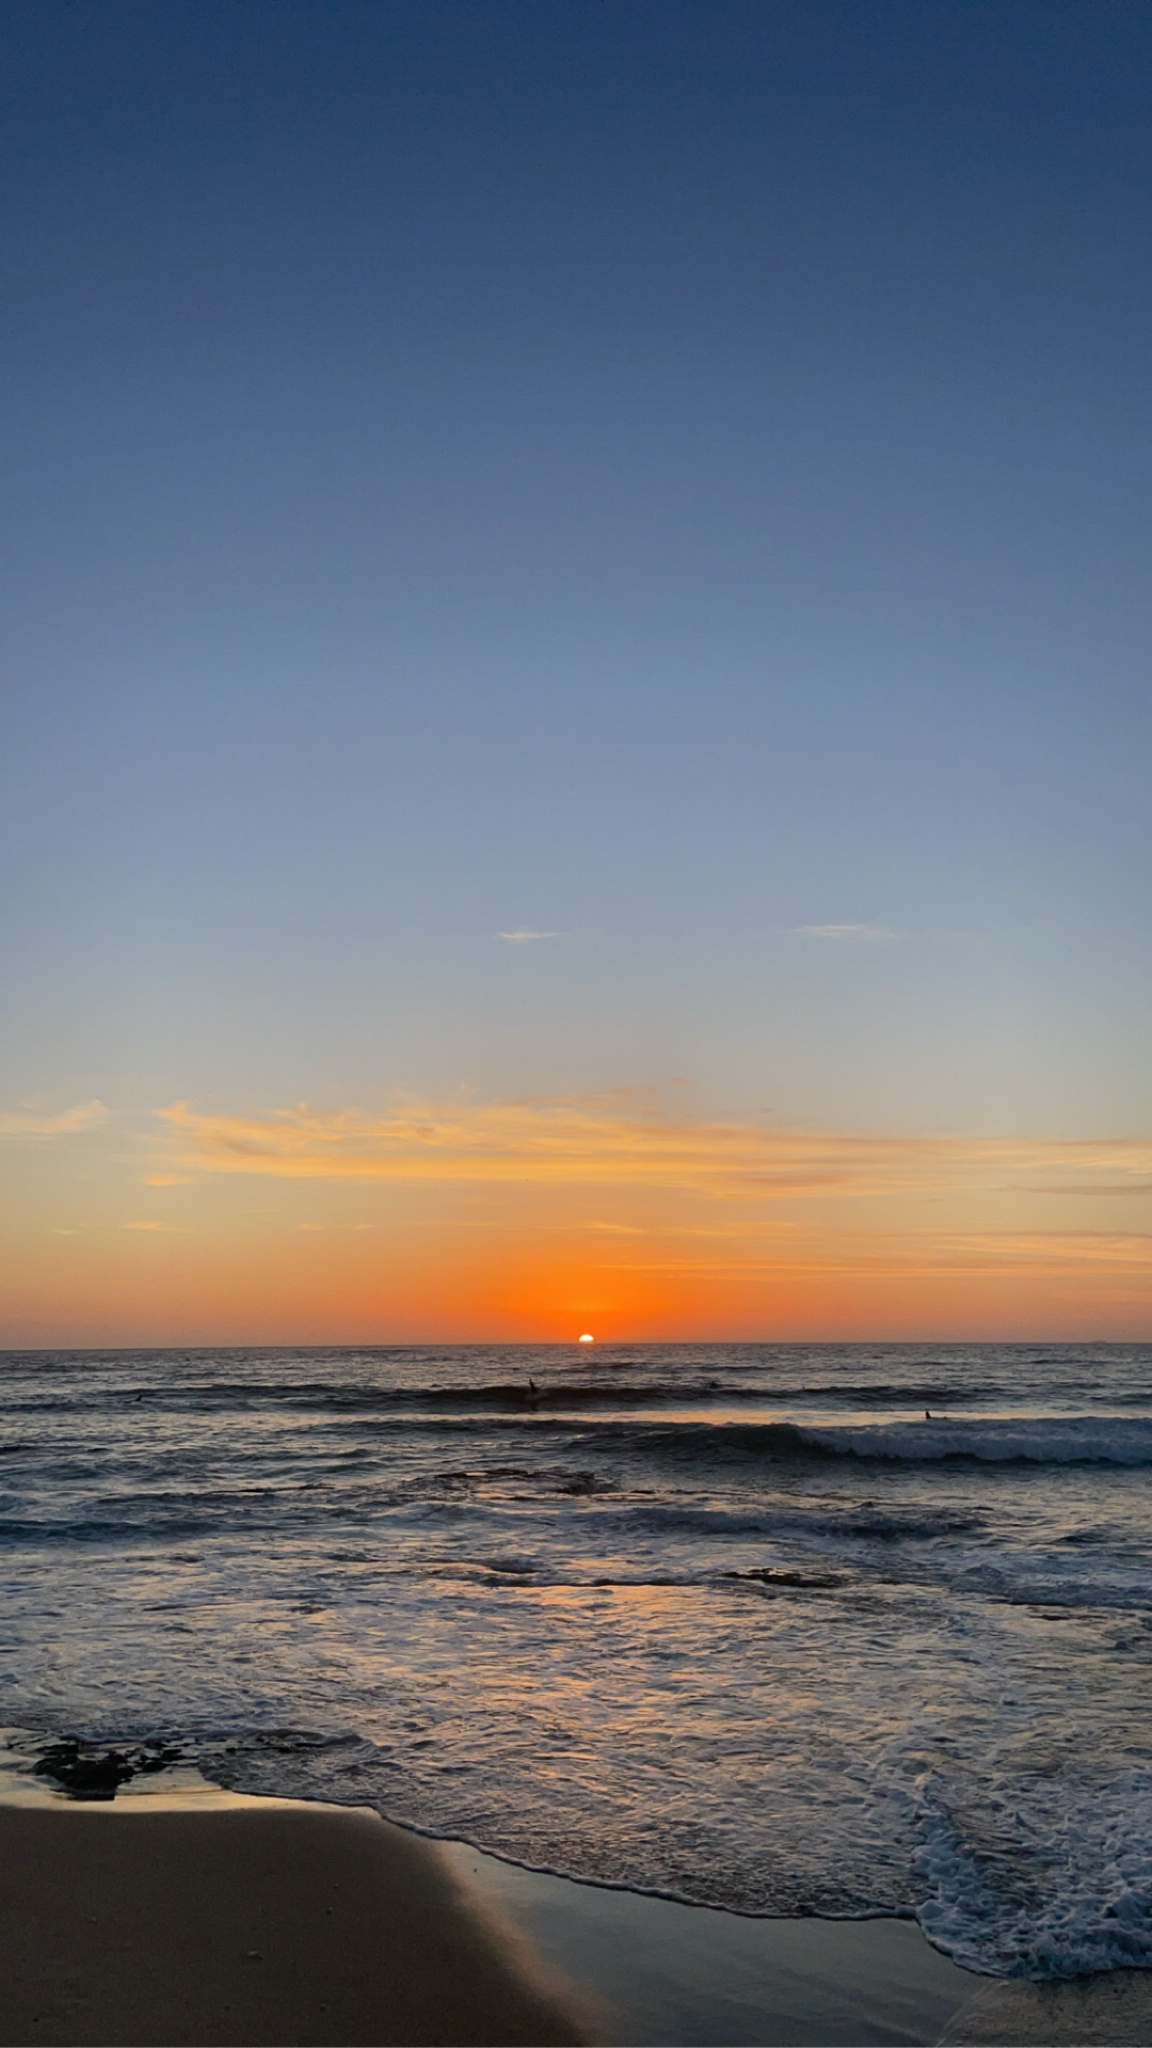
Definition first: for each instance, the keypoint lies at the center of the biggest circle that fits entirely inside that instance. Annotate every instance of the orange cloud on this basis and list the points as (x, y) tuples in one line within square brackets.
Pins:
[(624, 1140)]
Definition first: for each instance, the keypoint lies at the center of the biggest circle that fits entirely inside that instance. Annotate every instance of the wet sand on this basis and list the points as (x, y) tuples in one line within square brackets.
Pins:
[(685, 1974), (689, 1974), (1113, 2009)]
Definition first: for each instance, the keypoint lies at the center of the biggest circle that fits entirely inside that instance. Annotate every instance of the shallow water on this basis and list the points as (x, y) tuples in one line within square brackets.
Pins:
[(736, 1623)]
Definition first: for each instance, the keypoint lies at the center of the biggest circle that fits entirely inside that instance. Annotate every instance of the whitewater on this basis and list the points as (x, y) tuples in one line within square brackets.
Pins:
[(818, 1629)]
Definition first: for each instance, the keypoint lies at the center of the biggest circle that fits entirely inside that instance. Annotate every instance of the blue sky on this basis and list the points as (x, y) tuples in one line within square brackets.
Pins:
[(671, 477)]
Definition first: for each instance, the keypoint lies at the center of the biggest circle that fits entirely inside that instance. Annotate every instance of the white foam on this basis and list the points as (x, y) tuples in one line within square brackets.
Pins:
[(1042, 1440), (1074, 1897)]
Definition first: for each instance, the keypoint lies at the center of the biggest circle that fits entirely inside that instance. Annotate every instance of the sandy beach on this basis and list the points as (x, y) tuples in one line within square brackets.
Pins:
[(189, 1915), (253, 1922)]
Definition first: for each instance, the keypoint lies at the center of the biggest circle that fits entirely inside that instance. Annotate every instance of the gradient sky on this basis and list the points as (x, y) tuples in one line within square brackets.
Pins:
[(575, 646)]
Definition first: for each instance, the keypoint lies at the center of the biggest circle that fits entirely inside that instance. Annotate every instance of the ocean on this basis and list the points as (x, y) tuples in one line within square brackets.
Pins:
[(787, 1629)]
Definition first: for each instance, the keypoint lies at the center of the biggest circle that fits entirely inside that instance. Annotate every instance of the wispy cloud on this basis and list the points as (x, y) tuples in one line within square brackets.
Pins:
[(623, 1139), (34, 1123), (522, 937), (850, 934), (1056, 1249), (925, 1254)]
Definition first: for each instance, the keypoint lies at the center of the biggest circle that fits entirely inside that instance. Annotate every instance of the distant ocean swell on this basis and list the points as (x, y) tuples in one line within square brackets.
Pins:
[(520, 1396), (1088, 1440), (1085, 1440)]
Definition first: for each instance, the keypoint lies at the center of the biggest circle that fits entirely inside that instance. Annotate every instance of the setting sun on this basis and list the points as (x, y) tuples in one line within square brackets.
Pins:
[(586, 1339)]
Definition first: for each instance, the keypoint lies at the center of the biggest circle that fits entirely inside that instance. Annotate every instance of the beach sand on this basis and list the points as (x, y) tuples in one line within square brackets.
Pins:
[(253, 1922), (190, 1915)]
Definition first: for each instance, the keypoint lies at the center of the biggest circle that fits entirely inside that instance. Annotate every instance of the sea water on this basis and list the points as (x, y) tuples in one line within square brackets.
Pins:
[(828, 1629)]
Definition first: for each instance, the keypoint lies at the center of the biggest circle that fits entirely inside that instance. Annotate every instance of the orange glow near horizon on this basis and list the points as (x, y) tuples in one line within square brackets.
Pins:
[(531, 1221)]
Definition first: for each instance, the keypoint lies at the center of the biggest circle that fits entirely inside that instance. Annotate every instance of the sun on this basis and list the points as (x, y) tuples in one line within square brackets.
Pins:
[(586, 1339)]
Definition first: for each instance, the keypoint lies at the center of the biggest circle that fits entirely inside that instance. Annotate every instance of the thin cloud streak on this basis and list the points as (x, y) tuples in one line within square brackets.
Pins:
[(924, 1255), (526, 938), (850, 934), (618, 1140), (31, 1123)]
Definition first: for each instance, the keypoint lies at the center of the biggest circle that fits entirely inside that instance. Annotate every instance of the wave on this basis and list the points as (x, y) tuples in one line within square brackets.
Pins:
[(1066, 1893), (1072, 1439), (513, 1396), (1048, 1440)]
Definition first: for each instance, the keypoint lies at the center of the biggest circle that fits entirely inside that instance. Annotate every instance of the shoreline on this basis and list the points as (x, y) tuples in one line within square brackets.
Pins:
[(183, 1914)]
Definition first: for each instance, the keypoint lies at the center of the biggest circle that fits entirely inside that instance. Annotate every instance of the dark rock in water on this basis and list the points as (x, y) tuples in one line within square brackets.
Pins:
[(155, 1756), (92, 1776)]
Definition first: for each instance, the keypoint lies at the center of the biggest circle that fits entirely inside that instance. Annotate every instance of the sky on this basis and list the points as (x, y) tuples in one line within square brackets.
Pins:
[(575, 723)]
